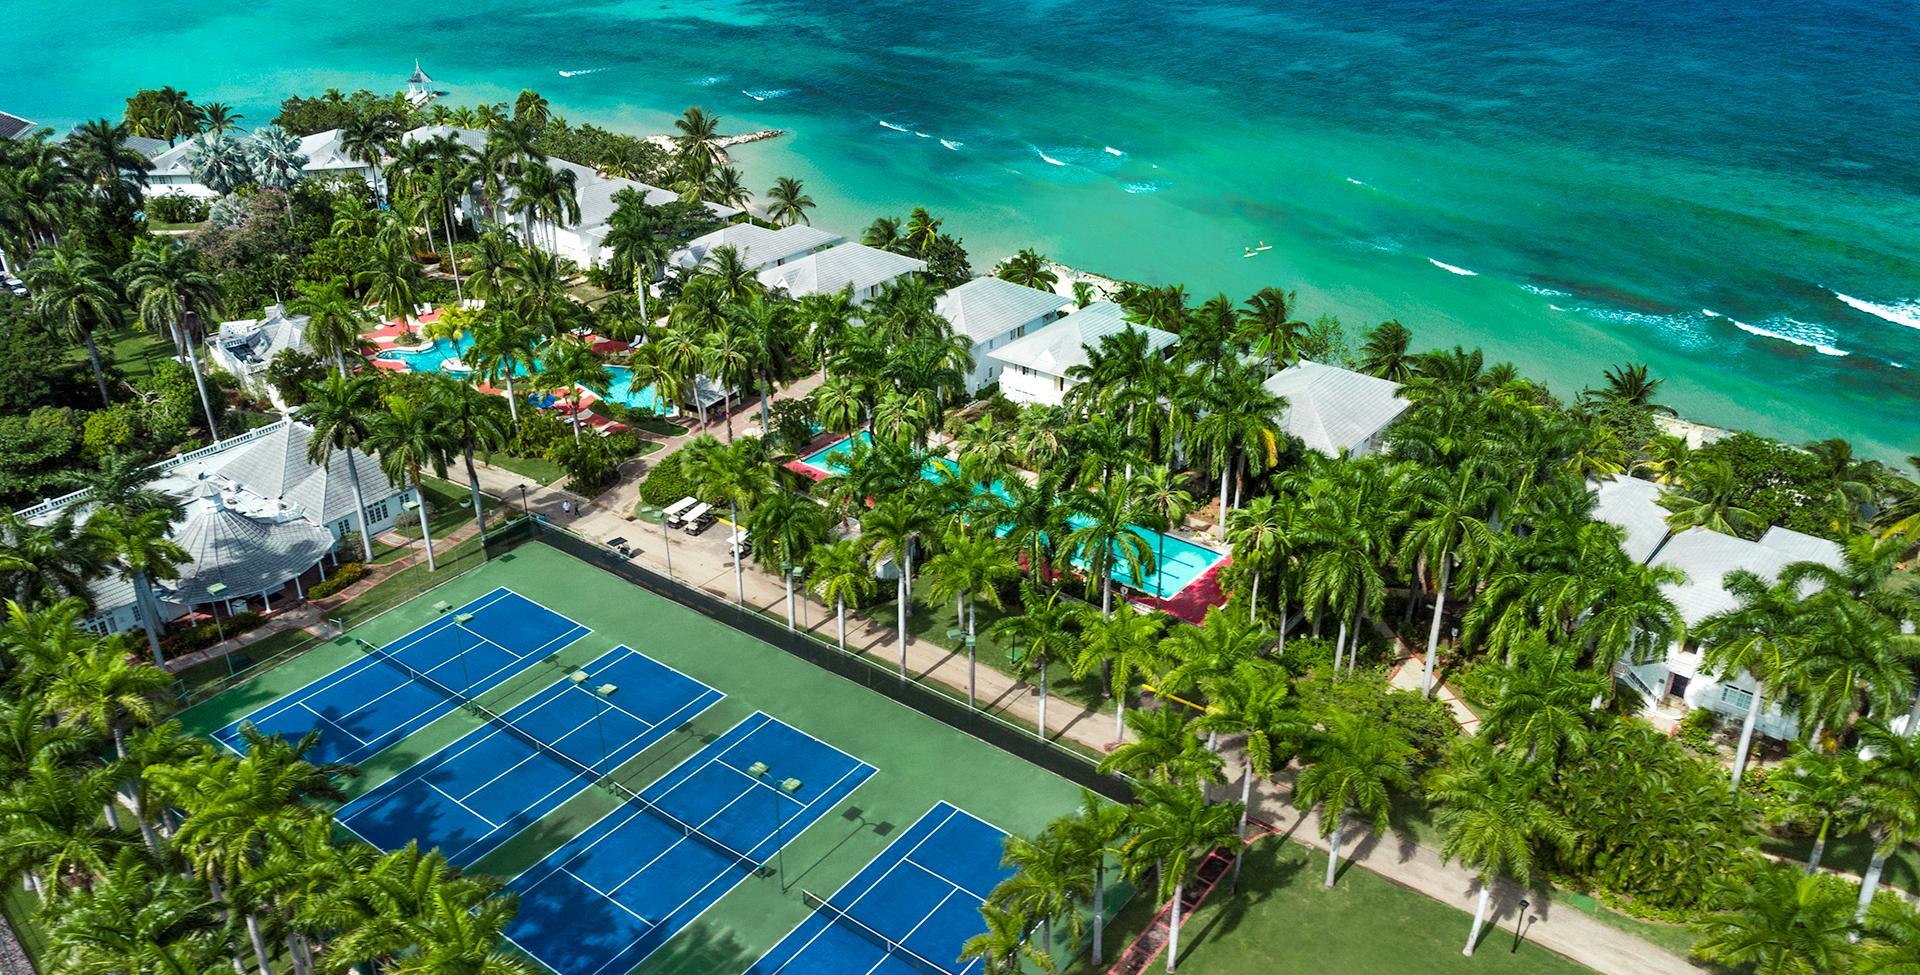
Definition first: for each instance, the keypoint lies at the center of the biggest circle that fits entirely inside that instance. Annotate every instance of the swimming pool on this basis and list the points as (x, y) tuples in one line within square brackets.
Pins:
[(1179, 561), (443, 351)]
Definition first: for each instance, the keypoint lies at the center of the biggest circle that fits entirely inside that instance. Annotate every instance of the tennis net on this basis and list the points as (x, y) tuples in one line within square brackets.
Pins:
[(890, 946), (591, 774)]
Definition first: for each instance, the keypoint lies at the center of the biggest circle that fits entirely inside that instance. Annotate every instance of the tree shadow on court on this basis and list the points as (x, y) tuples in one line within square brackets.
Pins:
[(701, 948)]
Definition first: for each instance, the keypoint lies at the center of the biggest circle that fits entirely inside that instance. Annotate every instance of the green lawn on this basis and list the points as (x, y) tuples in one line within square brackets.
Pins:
[(134, 350), (451, 505), (535, 468), (1282, 922)]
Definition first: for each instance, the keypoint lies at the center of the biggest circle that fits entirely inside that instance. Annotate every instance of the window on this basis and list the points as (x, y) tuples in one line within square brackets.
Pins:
[(1735, 699), (100, 623), (1059, 383), (377, 511)]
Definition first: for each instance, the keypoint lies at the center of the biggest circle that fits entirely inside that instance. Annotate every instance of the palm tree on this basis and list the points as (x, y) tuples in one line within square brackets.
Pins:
[(971, 569), (55, 835), (366, 139), (1710, 496), (1122, 646), (171, 288), (839, 572), (341, 412), (1545, 704), (98, 154), (891, 530), (785, 527), (921, 231), (1004, 948), (1268, 327), (1384, 354), (1493, 821), (547, 195), (1159, 496), (1171, 826), (1457, 512), (1816, 786), (1042, 632), (1763, 636), (408, 436), (1048, 883), (73, 291), (1029, 269), (141, 544), (635, 248), (278, 163), (502, 347), (1090, 834), (699, 136), (1894, 926), (883, 234), (334, 320), (1628, 386), (390, 280), (788, 202), (1254, 705), (1888, 800), (735, 473), (1356, 766), (472, 422), (1164, 749), (1241, 430), (218, 117), (101, 691), (1106, 541), (571, 365), (1781, 923)]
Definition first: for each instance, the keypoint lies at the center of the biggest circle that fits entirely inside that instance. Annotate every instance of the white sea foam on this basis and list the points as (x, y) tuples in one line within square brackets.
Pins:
[(1807, 335), (1554, 307), (714, 79), (897, 128), (1451, 269), (1903, 312), (921, 134), (1355, 181), (1143, 186), (762, 94), (1534, 289), (1686, 330), (1042, 153), (1710, 313), (580, 71), (949, 143), (1111, 151)]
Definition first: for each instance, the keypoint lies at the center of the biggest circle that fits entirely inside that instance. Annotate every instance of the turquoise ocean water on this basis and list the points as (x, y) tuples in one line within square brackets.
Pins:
[(1726, 192)]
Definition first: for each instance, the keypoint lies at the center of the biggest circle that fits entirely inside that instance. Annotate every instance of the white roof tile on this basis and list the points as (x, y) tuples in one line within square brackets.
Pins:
[(1333, 409), (987, 308), (1063, 344)]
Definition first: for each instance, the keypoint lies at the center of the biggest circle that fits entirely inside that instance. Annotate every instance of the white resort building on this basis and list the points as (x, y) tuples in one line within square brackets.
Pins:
[(1337, 411), (260, 520), (991, 313), (1706, 557), (865, 269), (1033, 369), (759, 247), (246, 347)]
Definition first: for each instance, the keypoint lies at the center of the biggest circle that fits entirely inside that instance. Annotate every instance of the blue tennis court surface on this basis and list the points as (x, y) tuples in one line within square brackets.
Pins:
[(624, 886), (370, 703), (923, 892), (478, 792)]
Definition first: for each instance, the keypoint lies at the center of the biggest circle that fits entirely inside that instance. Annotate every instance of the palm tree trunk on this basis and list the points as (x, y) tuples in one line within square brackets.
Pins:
[(739, 579), (1099, 907), (1746, 737), (359, 507), (1479, 916), (1870, 884), (1339, 644), (1433, 629), (1173, 928), (1819, 845), (788, 575), (1246, 798), (446, 218), (1253, 598), (900, 605), (513, 400), (1353, 651), (193, 359), (1119, 718), (426, 534), (143, 595), (1041, 723), (840, 602), (973, 685), (473, 485), (259, 943), (1333, 850), (99, 377)]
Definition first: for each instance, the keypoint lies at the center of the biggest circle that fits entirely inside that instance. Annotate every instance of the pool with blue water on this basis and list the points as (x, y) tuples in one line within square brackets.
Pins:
[(1179, 562), (435, 358)]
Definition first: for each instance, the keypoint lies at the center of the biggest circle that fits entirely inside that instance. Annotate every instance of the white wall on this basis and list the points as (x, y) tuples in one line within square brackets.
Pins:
[(1034, 387)]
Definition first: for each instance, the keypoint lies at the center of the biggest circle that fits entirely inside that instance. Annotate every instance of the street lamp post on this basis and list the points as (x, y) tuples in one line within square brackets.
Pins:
[(666, 545), (214, 592), (1517, 922)]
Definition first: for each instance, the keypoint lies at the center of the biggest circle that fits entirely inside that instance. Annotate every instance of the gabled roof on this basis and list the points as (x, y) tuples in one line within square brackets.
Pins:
[(1706, 556), (172, 161), (276, 466), (260, 339), (759, 247), (418, 77), (145, 145), (594, 193), (325, 153), (1333, 409), (830, 270), (1633, 505), (473, 139), (987, 308), (1063, 344), (15, 127)]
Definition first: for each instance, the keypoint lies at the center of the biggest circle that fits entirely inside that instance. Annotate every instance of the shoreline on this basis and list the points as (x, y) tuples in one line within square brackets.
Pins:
[(723, 143)]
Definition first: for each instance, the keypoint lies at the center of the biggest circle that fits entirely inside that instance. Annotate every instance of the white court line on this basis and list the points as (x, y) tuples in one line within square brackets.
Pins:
[(331, 723), (450, 796), (609, 898)]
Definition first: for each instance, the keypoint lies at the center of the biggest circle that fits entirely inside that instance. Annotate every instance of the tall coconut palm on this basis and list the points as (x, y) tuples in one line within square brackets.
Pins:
[(472, 421), (1241, 430), (334, 321), (366, 139), (1122, 647), (1545, 703), (788, 202), (1091, 834), (1042, 632), (173, 292), (73, 291), (698, 136), (635, 247), (1267, 327), (98, 154), (409, 437), (55, 836), (548, 196), (971, 569), (1710, 496), (1384, 354), (100, 691), (146, 553), (1818, 787), (838, 572), (571, 365), (1356, 765), (391, 279), (1029, 269), (503, 348), (1454, 526), (892, 530), (1159, 497), (1779, 922), (785, 527), (1005, 948), (1172, 825), (1048, 883), (736, 473), (1888, 800), (1763, 636), (1493, 821), (1255, 706), (1106, 541), (341, 412), (1164, 749)]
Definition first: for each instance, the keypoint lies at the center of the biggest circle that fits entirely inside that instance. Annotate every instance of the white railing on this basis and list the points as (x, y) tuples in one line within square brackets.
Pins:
[(66, 500)]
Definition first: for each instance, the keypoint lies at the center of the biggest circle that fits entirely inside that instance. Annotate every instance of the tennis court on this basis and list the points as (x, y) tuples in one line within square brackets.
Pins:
[(374, 702), (906, 913), (618, 891), (480, 791)]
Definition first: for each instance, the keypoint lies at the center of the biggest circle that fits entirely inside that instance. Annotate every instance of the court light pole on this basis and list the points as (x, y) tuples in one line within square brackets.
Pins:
[(466, 680), (600, 695), (214, 592), (666, 545), (788, 787)]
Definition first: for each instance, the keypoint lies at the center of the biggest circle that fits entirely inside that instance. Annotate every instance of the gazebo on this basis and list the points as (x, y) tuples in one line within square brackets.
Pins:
[(249, 553)]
